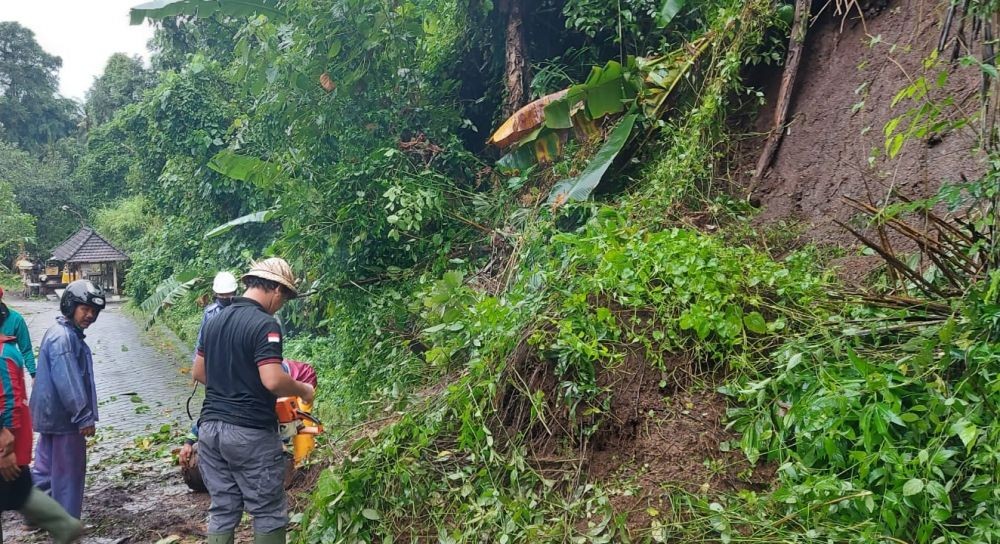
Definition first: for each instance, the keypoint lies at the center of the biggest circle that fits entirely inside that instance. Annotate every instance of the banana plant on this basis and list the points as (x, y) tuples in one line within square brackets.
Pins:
[(159, 9), (262, 174), (537, 131), (167, 293), (580, 187), (262, 216), (646, 85)]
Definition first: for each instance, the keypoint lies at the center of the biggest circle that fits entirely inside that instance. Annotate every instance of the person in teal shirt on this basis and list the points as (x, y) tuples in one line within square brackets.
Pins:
[(12, 324)]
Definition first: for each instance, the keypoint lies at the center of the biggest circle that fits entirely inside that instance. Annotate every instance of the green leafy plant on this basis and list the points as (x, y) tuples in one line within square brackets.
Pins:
[(580, 187), (929, 117), (159, 9), (167, 293)]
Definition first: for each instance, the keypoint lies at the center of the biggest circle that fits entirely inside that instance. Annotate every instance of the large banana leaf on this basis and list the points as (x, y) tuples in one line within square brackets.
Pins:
[(158, 9), (244, 168), (545, 122), (525, 121), (256, 217), (603, 93), (669, 11), (580, 187), (168, 292)]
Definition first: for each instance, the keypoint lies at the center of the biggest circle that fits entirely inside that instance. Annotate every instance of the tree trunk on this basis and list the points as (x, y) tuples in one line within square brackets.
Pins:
[(515, 56), (796, 44)]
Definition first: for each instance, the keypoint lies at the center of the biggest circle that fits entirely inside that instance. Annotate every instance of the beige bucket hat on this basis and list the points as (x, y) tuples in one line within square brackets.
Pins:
[(274, 269)]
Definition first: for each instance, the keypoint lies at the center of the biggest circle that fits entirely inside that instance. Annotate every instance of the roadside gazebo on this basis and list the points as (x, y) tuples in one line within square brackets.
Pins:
[(87, 255)]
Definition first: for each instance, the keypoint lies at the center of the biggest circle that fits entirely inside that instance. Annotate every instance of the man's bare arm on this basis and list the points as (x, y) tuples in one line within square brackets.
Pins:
[(281, 384), (198, 369)]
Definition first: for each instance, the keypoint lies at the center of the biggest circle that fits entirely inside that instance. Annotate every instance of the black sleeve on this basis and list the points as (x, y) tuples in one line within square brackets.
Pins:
[(267, 349)]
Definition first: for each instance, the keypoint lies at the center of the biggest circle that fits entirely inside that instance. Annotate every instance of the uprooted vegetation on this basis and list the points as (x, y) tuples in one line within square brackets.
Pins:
[(587, 408), (505, 357)]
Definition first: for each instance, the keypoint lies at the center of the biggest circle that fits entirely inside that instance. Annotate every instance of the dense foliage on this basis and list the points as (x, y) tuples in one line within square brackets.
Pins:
[(347, 136), (31, 114), (40, 187), (122, 83)]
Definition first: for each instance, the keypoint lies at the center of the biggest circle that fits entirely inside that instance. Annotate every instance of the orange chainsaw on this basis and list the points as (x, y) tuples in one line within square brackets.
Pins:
[(293, 417)]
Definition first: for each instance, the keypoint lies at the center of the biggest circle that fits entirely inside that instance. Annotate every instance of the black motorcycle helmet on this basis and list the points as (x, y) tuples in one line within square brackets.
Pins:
[(81, 292)]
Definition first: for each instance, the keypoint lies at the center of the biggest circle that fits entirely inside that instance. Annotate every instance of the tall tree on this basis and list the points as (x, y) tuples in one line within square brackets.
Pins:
[(515, 56), (122, 83), (31, 113), (177, 38), (39, 188), (17, 229)]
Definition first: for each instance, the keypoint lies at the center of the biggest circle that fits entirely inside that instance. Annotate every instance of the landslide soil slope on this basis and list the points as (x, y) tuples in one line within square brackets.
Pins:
[(850, 73), (851, 70)]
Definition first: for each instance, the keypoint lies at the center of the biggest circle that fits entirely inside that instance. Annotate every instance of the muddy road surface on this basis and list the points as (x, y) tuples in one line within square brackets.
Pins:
[(134, 489)]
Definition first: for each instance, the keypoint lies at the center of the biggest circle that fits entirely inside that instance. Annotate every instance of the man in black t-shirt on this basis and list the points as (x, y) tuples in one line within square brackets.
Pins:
[(240, 452)]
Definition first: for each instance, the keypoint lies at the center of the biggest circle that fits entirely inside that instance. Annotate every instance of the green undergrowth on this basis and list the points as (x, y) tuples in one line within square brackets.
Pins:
[(464, 331), (369, 358), (184, 318), (10, 281), (571, 293), (581, 300), (877, 437), (881, 423)]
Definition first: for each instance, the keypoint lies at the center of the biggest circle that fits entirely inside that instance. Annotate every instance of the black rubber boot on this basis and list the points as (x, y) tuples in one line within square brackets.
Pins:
[(221, 538), (276, 536)]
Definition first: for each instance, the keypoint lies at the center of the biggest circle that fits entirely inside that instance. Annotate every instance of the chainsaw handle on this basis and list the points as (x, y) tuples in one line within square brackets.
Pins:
[(309, 417)]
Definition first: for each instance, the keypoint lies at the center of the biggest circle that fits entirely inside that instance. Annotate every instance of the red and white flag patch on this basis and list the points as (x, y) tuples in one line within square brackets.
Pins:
[(274, 337)]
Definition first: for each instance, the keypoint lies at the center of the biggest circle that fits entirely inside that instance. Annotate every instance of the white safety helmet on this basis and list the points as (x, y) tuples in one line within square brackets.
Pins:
[(224, 283)]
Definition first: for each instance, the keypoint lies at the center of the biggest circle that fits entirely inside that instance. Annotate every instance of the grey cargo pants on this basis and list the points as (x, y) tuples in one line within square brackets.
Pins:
[(241, 467)]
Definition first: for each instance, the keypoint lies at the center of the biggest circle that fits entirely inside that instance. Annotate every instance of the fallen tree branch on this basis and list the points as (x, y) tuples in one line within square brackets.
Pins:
[(919, 282), (899, 302), (795, 44)]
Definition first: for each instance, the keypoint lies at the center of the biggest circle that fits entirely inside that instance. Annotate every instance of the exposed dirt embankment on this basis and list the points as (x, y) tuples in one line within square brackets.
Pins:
[(835, 145)]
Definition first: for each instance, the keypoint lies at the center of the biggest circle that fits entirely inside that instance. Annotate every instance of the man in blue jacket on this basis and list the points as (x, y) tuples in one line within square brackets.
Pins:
[(16, 491), (12, 324), (224, 287), (64, 398)]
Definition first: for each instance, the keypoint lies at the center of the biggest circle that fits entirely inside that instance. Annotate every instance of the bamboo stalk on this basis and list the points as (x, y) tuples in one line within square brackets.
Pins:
[(867, 208), (904, 303), (937, 219), (960, 34), (989, 58), (888, 248), (943, 39), (945, 269), (926, 287), (925, 241), (931, 246), (894, 328)]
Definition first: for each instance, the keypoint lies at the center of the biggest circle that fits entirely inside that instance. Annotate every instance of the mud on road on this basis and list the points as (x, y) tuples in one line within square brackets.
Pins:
[(130, 502), (135, 492), (138, 496)]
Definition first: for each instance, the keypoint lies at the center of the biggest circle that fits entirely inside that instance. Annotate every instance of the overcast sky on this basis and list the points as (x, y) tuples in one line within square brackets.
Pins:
[(83, 32)]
